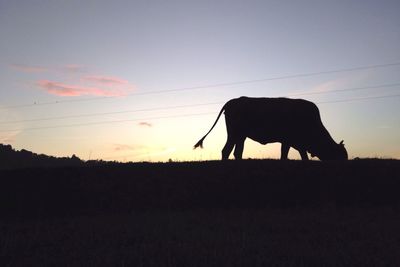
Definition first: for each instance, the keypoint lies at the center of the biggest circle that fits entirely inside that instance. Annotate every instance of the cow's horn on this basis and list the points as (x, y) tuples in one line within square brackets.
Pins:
[(341, 142)]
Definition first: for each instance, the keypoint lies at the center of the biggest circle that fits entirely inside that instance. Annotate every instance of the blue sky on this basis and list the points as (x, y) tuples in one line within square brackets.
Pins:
[(57, 51)]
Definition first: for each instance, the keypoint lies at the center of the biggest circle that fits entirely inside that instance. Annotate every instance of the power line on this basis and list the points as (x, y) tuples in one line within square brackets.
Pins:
[(111, 113), (180, 116), (358, 99), (348, 90), (107, 122), (210, 85), (192, 105)]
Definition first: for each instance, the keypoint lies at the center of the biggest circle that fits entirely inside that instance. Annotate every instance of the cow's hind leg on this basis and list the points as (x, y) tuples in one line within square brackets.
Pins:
[(284, 151), (226, 151), (303, 154), (239, 148)]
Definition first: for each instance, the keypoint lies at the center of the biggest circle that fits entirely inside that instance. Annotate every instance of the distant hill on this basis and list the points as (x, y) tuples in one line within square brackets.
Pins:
[(13, 159)]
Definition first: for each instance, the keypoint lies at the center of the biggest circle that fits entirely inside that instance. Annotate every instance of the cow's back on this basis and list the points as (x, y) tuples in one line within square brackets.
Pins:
[(273, 119)]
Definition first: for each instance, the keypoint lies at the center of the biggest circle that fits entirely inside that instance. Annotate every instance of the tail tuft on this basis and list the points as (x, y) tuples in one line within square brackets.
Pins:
[(199, 144)]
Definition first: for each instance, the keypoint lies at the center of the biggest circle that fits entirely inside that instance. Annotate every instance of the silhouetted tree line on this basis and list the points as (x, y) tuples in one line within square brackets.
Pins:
[(13, 159)]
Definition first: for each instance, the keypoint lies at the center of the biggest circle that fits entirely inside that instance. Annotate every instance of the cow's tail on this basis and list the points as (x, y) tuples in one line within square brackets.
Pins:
[(200, 142)]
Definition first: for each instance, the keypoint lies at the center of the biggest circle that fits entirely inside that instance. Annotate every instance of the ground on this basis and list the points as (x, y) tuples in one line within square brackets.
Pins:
[(249, 213)]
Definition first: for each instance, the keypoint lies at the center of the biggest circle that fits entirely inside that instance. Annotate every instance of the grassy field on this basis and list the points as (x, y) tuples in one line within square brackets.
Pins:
[(249, 213)]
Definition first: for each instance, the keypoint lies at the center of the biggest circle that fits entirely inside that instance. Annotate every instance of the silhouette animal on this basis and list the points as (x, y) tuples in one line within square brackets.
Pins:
[(292, 122)]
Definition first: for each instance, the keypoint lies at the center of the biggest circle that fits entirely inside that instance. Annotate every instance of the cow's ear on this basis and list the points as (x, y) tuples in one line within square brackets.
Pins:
[(341, 142)]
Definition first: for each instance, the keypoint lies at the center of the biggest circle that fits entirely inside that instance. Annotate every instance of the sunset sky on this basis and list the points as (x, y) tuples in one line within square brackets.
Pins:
[(145, 80)]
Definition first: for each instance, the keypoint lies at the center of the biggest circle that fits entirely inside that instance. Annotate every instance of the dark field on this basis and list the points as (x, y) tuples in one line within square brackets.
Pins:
[(249, 213)]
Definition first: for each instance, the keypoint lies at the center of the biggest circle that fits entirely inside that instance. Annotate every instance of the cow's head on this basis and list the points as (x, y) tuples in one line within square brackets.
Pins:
[(337, 152), (340, 152)]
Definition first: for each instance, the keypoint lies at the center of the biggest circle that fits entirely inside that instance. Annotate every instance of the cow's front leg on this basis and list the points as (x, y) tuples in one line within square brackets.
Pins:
[(284, 151)]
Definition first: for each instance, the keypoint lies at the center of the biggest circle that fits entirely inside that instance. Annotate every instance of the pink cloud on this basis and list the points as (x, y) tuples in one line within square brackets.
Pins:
[(106, 80), (146, 124), (61, 89), (29, 69), (74, 68)]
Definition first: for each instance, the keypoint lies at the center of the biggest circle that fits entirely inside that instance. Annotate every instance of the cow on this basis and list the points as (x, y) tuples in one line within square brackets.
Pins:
[(294, 123)]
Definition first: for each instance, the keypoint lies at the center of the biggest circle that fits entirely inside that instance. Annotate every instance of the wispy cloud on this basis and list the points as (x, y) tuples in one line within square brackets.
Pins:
[(62, 89), (334, 85), (123, 147), (321, 88), (325, 86), (106, 80), (68, 68), (384, 127), (73, 68), (128, 147), (27, 68), (78, 84), (145, 124)]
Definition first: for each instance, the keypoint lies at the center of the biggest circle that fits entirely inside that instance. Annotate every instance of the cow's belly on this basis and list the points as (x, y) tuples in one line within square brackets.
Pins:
[(264, 140), (277, 134)]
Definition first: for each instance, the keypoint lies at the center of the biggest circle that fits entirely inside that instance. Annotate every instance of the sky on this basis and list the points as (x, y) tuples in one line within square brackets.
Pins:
[(145, 80)]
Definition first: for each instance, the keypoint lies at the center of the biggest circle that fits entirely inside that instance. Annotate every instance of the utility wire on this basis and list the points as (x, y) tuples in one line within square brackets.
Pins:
[(357, 99), (348, 89), (111, 113), (210, 85), (179, 116), (192, 105), (107, 122)]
